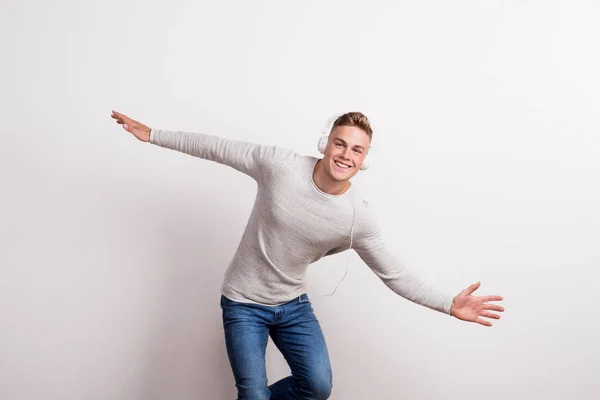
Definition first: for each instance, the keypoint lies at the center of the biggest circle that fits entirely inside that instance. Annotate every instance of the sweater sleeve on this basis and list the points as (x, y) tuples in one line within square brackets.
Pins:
[(249, 158), (402, 280)]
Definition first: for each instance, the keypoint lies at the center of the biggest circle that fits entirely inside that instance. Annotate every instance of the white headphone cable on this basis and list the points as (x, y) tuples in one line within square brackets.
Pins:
[(346, 271)]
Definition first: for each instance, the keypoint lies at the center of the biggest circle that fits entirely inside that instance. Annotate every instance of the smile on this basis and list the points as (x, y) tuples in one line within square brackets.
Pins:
[(341, 165)]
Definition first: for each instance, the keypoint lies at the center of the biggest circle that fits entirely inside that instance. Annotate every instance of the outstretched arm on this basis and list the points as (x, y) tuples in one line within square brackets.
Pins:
[(250, 158), (408, 283)]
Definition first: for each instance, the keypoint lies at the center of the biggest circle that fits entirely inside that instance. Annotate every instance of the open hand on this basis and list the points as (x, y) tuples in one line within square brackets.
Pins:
[(140, 131), (470, 308)]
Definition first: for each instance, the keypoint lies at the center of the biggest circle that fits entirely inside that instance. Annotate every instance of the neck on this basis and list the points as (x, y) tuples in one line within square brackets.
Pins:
[(326, 184)]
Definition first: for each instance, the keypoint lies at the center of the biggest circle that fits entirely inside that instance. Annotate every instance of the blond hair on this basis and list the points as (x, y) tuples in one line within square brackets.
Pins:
[(356, 119)]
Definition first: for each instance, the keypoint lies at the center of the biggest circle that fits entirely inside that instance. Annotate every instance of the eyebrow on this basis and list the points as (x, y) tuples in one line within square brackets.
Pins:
[(343, 141)]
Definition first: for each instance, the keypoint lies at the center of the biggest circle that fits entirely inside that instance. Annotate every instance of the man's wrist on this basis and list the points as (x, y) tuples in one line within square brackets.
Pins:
[(452, 308)]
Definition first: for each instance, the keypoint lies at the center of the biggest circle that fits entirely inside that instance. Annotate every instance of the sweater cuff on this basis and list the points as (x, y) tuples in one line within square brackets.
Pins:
[(152, 135), (448, 305)]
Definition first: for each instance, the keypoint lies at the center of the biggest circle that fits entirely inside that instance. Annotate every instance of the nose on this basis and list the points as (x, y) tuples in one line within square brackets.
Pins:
[(347, 153)]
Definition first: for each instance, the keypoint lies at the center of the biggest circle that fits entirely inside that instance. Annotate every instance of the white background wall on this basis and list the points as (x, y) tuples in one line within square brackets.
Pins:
[(487, 168)]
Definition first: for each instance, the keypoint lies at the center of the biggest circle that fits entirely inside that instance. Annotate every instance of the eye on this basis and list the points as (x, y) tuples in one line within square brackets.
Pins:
[(338, 144), (357, 151)]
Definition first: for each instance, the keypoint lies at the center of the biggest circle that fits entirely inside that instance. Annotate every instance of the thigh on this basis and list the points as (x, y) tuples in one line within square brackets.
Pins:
[(302, 343), (246, 336)]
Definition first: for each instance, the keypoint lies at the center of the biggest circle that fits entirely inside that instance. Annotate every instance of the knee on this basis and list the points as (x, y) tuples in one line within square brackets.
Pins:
[(319, 387)]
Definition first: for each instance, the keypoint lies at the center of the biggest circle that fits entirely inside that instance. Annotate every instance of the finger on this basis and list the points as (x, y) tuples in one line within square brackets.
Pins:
[(489, 315), (483, 322), (492, 307), (126, 124), (123, 117), (118, 118), (472, 288), (485, 299)]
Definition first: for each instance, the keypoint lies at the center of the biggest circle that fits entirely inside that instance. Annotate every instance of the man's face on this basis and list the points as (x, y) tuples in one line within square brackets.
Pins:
[(346, 149)]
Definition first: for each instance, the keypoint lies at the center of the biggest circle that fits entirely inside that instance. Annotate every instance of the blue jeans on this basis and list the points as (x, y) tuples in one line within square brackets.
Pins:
[(295, 331)]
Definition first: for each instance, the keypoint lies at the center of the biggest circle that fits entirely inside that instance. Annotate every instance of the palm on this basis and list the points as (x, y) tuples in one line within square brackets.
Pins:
[(471, 308), (140, 131)]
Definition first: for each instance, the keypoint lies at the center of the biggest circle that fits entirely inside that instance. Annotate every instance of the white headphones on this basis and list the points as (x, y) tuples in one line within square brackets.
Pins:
[(325, 138)]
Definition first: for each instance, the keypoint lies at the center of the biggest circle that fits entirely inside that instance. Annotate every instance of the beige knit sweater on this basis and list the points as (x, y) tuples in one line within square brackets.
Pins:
[(294, 224)]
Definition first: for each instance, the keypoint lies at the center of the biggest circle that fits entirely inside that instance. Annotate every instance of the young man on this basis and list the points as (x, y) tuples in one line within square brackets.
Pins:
[(306, 208)]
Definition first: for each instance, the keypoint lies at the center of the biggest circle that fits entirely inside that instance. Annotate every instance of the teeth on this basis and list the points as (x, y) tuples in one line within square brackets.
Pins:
[(341, 165)]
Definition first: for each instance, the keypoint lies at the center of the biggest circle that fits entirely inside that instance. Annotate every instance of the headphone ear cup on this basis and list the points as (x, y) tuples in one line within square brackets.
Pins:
[(322, 146)]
